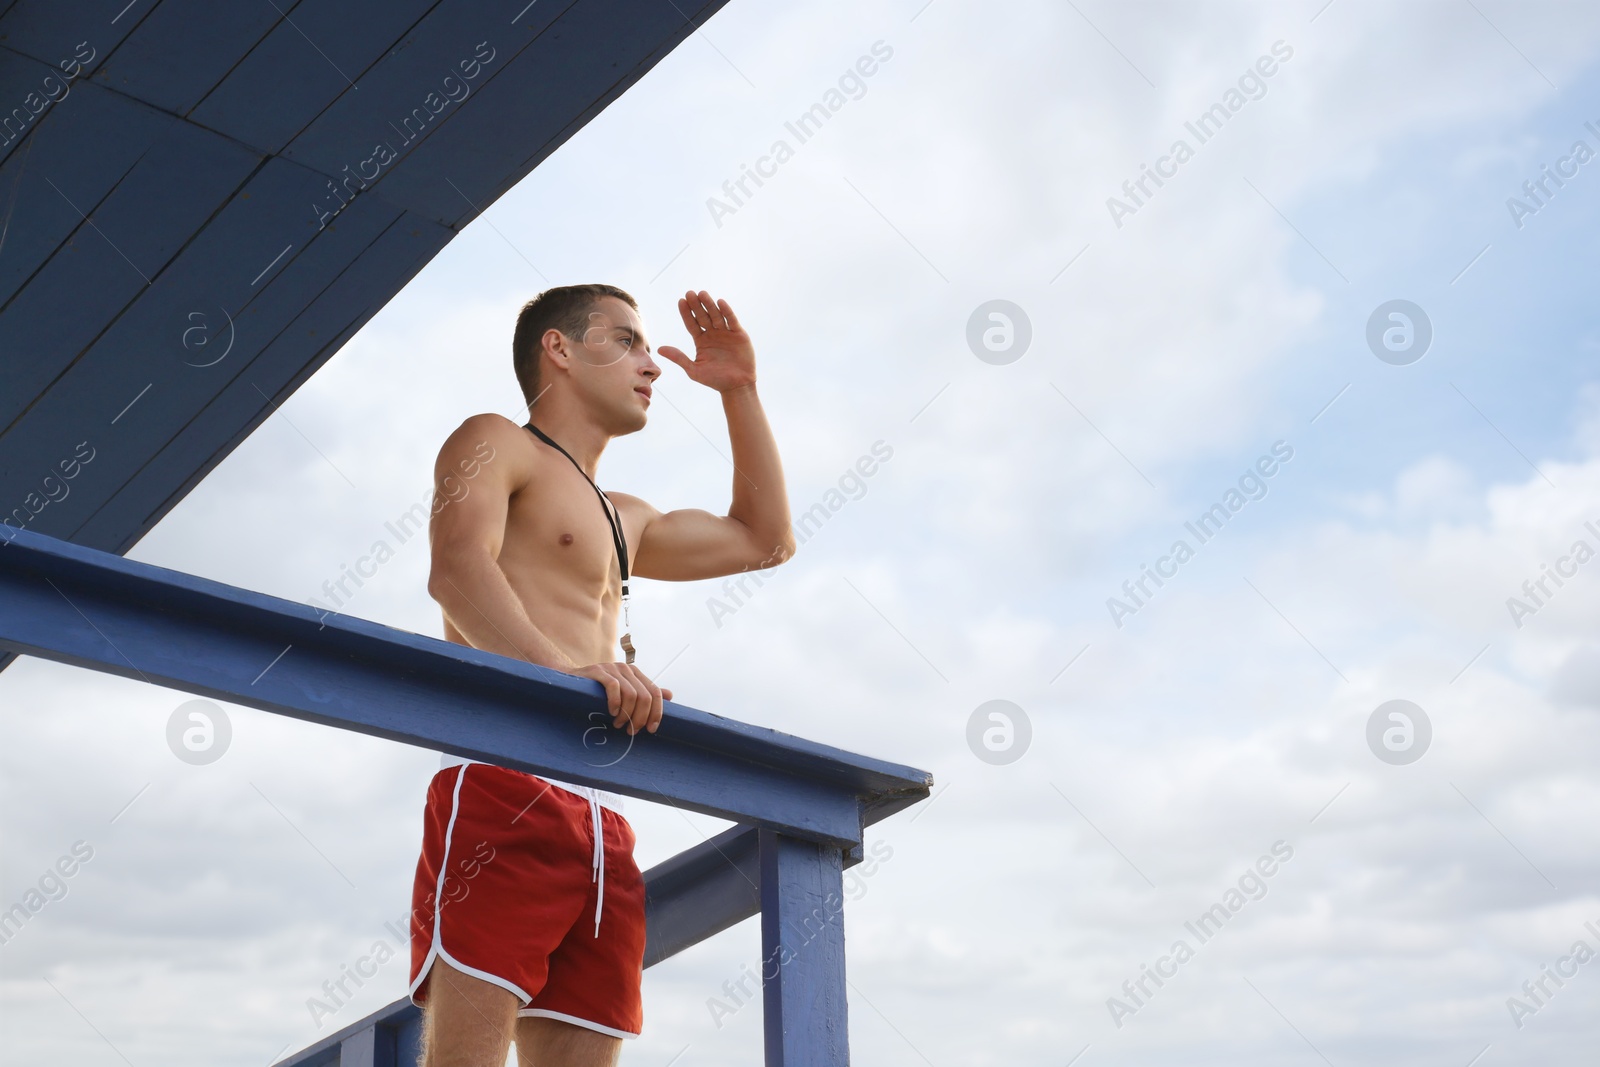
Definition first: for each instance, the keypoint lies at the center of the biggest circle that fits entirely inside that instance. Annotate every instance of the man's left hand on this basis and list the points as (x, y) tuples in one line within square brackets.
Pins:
[(724, 357)]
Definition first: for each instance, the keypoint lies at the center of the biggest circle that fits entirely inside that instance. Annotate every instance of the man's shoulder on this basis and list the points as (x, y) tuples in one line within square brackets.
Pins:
[(489, 424), (489, 433), (487, 443)]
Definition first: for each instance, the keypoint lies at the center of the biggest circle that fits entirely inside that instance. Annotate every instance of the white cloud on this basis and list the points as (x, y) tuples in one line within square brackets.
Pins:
[(1191, 740)]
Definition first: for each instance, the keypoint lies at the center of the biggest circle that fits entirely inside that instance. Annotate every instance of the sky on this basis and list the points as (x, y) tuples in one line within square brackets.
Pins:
[(1168, 746)]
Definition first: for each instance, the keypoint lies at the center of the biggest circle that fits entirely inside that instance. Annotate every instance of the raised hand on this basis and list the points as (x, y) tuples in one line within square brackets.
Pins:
[(724, 357)]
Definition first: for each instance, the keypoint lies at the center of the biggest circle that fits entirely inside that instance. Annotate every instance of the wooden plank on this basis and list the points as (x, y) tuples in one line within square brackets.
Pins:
[(328, 48), (52, 325), (182, 48), (93, 609), (701, 892), (41, 181), (120, 247), (254, 265), (802, 953), (405, 99), (29, 90), (165, 473), (51, 31)]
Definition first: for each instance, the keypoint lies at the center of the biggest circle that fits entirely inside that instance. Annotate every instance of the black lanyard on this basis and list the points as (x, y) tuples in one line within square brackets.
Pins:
[(618, 539)]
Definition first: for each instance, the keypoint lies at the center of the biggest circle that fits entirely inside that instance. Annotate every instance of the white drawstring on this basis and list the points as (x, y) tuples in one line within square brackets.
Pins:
[(599, 863)]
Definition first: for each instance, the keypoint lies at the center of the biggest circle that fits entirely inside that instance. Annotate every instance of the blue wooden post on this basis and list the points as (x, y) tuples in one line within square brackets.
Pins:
[(360, 1049), (802, 953)]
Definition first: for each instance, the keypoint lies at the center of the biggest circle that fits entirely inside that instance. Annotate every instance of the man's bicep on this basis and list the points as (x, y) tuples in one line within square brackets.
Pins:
[(473, 479), (690, 544)]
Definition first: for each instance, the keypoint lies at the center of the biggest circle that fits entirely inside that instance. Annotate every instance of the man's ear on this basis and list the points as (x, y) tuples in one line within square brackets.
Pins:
[(555, 347)]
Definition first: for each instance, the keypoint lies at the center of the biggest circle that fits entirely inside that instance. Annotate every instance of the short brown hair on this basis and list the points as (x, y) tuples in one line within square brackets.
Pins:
[(565, 308)]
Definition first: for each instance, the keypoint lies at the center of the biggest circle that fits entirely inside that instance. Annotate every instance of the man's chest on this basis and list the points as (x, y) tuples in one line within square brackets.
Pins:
[(568, 533)]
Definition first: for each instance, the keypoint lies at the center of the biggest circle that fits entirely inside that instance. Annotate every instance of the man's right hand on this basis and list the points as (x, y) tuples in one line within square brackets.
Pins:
[(632, 698)]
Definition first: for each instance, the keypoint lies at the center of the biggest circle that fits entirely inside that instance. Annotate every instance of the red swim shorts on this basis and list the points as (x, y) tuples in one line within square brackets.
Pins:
[(526, 901)]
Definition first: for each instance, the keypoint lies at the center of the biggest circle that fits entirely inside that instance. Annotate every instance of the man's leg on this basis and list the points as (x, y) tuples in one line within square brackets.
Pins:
[(543, 1042), (466, 1022)]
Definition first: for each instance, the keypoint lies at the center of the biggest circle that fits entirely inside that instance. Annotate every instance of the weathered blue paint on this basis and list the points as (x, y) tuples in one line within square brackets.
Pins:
[(93, 609), (701, 892), (390, 1037), (802, 953)]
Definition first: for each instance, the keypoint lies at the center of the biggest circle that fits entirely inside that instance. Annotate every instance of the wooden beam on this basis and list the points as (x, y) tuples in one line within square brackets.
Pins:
[(97, 610), (802, 953)]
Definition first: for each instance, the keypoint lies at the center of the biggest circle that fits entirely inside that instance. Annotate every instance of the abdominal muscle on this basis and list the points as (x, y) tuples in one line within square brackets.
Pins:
[(560, 560), (571, 592)]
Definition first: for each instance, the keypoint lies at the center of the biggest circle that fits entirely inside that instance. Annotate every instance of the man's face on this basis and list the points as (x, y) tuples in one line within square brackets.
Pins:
[(612, 368)]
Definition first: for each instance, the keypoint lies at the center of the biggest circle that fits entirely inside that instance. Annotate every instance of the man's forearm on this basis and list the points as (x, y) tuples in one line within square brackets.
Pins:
[(760, 500), (480, 604)]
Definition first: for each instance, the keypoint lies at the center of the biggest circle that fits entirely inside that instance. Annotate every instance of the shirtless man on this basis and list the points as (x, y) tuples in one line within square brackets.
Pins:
[(540, 921)]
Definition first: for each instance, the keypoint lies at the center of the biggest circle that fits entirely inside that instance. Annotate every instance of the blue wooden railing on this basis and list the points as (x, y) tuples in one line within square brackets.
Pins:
[(800, 807)]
